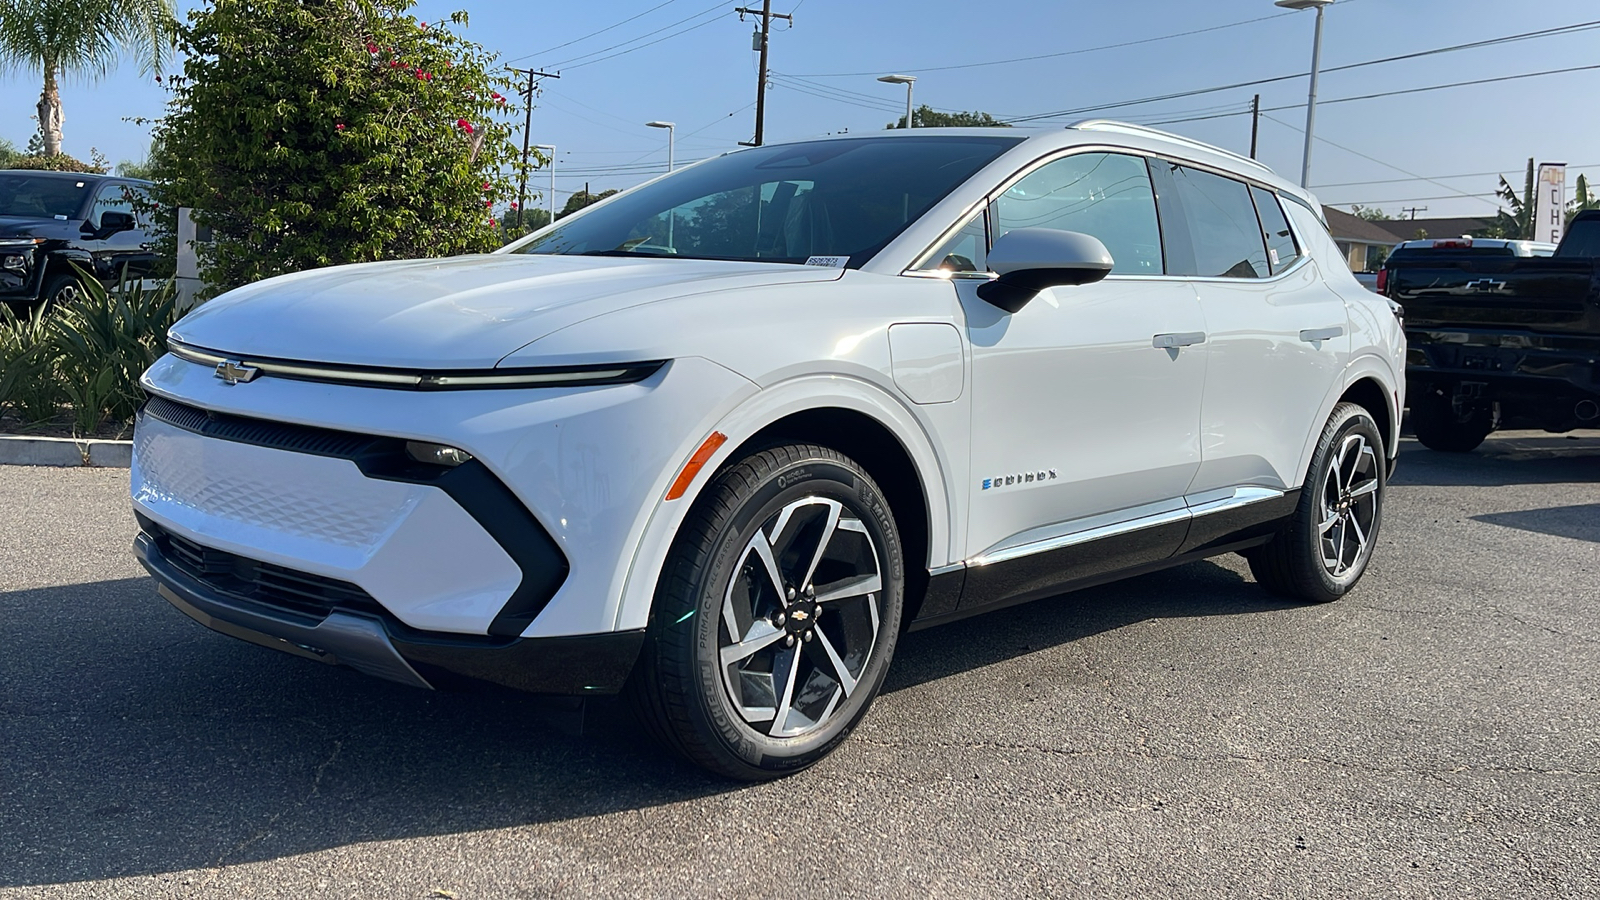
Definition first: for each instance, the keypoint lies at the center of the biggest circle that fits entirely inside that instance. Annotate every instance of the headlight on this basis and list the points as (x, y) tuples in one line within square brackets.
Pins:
[(16, 262)]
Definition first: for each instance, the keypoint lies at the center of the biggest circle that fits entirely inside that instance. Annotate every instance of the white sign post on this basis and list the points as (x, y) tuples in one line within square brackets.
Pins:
[(1550, 203)]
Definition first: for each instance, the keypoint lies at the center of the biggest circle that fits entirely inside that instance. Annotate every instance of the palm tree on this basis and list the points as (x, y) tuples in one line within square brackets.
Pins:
[(81, 37)]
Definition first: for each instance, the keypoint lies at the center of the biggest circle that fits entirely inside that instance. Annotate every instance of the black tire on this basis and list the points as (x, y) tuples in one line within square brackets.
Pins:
[(1296, 563), (60, 288), (680, 689), (1439, 425)]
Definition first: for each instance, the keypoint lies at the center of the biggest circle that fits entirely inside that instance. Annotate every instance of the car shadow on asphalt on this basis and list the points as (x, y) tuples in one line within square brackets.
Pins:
[(1503, 460), (136, 742)]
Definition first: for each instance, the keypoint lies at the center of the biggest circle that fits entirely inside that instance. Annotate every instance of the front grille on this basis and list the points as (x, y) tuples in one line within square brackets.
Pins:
[(260, 432), (259, 582)]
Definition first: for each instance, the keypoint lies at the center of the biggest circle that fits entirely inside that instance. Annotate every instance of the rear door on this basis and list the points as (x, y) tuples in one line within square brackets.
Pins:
[(1278, 336)]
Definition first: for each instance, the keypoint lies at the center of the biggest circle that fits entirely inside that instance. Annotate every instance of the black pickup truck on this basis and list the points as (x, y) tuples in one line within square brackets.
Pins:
[(50, 220), (1497, 339)]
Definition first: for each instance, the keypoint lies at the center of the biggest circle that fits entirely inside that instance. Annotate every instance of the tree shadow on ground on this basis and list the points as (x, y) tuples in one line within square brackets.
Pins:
[(136, 742), (1581, 523)]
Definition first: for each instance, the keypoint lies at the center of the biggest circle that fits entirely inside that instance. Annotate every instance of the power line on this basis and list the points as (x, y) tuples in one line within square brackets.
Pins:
[(594, 33), (583, 59), (1547, 32), (1462, 175), (1459, 194), (1018, 59)]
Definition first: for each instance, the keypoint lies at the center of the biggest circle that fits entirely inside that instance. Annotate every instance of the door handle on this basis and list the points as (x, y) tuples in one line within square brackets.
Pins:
[(1312, 335), (1178, 339)]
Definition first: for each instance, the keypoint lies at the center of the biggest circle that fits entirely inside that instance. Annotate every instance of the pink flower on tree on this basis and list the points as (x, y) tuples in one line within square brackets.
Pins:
[(464, 125), (372, 48), (513, 204), (339, 127)]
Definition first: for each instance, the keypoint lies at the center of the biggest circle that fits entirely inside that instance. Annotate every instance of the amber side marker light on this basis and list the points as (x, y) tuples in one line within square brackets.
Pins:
[(695, 464)]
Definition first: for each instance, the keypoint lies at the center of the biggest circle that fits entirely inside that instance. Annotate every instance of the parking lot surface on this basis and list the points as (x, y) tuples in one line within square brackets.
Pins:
[(1183, 734)]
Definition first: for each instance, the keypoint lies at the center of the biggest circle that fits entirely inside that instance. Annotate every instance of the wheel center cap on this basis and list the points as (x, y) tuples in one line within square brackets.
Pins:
[(801, 616)]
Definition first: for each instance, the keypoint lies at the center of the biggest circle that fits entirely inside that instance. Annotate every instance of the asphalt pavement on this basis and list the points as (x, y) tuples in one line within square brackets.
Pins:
[(1183, 734)]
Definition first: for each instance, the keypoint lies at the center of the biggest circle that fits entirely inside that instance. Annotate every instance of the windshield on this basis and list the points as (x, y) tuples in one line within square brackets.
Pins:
[(41, 196), (786, 203)]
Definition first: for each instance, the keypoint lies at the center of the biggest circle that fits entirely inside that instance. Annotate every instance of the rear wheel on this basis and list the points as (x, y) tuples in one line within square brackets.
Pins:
[(1323, 549), (776, 615), (1442, 423)]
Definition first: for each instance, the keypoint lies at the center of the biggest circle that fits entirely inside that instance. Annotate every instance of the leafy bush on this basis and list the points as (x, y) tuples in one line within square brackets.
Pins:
[(60, 162), (310, 133), (28, 386), (88, 352)]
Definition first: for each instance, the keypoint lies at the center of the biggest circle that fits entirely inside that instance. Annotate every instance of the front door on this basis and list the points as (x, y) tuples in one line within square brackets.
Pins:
[(1086, 402)]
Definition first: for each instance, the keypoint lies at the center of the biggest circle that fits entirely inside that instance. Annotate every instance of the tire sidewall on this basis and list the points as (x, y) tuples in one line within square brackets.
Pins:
[(1345, 422), (812, 476)]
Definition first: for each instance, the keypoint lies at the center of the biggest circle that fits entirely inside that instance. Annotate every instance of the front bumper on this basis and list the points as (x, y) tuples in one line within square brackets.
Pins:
[(375, 643)]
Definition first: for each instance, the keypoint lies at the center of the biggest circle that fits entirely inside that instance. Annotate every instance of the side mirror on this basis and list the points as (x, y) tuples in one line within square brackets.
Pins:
[(112, 222), (1032, 259)]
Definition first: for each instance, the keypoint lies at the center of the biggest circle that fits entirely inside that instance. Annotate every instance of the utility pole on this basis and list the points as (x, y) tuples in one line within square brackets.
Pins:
[(767, 15), (1411, 211), (1255, 124), (527, 129)]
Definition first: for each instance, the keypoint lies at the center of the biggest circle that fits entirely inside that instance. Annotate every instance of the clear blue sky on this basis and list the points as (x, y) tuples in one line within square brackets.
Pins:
[(595, 113)]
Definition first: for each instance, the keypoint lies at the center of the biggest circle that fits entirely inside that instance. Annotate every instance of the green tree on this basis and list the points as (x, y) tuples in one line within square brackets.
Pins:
[(1514, 221), (81, 37), (1370, 213), (1582, 199), (928, 117), (579, 200), (8, 153), (311, 133)]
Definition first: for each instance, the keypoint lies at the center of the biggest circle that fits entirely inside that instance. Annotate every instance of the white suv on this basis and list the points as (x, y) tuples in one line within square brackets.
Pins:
[(720, 439)]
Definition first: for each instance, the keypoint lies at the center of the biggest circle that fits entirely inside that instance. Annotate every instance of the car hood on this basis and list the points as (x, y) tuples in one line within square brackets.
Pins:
[(29, 226), (459, 313)]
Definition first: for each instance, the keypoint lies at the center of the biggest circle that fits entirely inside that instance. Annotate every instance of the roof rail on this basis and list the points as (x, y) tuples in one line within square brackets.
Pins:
[(1113, 125)]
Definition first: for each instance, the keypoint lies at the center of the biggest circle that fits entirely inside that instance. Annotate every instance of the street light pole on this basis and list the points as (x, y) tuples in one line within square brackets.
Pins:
[(552, 149), (908, 81), (1316, 68), (672, 128)]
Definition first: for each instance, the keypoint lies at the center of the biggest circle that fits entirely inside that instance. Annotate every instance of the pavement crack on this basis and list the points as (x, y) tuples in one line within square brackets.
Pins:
[(1556, 631), (266, 829)]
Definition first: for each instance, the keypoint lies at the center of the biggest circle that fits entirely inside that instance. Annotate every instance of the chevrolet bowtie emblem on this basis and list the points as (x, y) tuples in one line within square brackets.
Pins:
[(799, 614), (236, 372)]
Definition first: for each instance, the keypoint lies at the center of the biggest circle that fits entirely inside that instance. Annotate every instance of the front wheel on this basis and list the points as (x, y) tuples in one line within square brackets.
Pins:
[(775, 617), (1323, 549)]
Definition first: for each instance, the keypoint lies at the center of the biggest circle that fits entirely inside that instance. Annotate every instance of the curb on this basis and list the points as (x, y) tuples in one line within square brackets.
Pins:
[(22, 450)]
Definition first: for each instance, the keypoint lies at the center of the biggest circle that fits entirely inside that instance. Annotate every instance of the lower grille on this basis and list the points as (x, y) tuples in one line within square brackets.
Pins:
[(258, 582)]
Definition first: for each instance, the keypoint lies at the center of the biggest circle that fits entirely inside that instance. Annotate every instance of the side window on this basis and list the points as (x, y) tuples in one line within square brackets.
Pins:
[(1281, 250), (1212, 222), (112, 198), (1107, 195), (144, 207), (965, 251)]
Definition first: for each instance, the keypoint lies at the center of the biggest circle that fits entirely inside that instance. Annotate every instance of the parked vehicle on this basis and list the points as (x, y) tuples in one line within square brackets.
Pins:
[(49, 220), (718, 440), (1502, 334)]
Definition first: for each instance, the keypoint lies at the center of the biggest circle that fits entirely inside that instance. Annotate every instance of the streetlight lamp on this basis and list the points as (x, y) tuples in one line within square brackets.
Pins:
[(552, 149), (1316, 66), (672, 128), (906, 80)]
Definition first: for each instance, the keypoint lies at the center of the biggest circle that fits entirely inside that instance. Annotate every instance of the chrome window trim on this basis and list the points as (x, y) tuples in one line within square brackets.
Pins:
[(915, 270), (425, 380)]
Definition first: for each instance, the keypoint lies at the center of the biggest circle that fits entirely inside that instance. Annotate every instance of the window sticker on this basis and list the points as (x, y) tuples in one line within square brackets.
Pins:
[(828, 262)]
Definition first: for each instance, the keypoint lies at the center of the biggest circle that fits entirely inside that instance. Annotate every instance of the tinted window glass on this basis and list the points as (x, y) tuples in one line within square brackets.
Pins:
[(1281, 250), (40, 196), (1217, 220), (112, 198), (1106, 195), (782, 203), (965, 251)]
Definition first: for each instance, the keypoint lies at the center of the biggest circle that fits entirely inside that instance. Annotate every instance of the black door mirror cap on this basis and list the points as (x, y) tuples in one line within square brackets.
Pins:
[(112, 222), (1029, 260)]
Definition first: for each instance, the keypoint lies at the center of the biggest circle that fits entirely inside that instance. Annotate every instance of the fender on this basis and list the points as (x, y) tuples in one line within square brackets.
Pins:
[(1366, 364), (773, 403)]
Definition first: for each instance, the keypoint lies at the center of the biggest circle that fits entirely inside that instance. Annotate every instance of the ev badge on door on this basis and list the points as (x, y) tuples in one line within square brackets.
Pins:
[(234, 372)]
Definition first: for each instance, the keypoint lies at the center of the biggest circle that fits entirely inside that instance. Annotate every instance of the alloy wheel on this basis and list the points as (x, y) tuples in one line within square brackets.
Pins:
[(1349, 506), (801, 617)]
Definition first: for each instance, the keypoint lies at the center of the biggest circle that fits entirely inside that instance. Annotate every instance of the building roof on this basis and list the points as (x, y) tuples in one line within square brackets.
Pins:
[(1345, 227), (1406, 229)]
